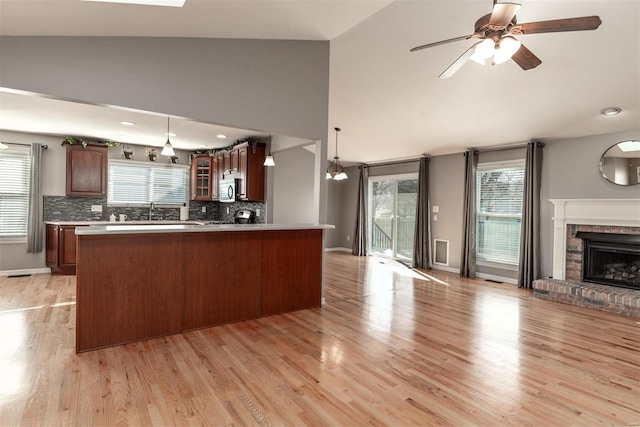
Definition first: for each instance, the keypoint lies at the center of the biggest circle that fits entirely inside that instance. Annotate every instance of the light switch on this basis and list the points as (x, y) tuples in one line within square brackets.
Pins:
[(96, 208), (436, 209), (435, 217)]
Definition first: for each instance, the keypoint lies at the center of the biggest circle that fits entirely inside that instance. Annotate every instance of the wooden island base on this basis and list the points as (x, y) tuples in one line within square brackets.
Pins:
[(132, 287)]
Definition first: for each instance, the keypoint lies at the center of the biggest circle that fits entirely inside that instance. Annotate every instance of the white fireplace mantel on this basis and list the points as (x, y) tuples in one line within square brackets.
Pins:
[(612, 212)]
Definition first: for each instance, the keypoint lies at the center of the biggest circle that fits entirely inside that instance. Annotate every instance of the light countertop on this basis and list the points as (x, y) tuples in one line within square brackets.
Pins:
[(132, 222), (158, 227)]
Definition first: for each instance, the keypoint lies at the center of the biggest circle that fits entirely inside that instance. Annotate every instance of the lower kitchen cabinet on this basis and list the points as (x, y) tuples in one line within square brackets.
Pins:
[(61, 248)]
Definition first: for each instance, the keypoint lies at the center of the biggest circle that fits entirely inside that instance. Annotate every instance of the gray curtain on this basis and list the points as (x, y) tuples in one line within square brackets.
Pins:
[(529, 265), (468, 258), (422, 236), (35, 233), (359, 247)]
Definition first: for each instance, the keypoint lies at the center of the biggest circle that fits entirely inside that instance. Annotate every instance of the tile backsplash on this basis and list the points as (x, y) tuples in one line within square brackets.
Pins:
[(60, 208)]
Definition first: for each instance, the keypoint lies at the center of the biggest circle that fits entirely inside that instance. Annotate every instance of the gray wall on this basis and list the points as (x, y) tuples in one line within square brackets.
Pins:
[(294, 170), (280, 86)]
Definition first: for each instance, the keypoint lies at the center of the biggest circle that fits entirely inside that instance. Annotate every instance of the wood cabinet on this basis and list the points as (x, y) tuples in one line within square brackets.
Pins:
[(126, 291), (201, 178), (61, 248), (251, 171), (234, 161), (215, 178), (86, 174)]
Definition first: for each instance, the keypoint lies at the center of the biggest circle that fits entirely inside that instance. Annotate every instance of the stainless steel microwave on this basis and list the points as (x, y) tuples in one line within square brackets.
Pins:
[(228, 189)]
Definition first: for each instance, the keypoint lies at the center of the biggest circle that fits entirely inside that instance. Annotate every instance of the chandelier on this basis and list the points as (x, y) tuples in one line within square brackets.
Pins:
[(335, 170)]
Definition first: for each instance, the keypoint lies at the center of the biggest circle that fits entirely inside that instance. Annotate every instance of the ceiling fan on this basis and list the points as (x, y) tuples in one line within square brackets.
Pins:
[(497, 42)]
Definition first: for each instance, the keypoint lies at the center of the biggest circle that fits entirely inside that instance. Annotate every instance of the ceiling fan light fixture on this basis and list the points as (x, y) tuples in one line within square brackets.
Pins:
[(507, 47), (483, 51)]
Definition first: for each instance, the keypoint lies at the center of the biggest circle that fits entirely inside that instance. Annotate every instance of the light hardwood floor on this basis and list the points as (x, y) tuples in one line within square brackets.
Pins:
[(390, 347)]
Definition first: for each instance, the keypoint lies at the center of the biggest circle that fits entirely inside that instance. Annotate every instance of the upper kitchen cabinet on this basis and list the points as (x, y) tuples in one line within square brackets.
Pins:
[(86, 170), (251, 171), (201, 177)]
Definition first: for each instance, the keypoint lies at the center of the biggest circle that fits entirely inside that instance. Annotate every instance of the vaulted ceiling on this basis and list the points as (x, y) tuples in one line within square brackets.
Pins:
[(389, 102)]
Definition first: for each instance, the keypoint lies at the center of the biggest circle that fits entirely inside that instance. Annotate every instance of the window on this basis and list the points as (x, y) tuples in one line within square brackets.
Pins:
[(499, 195), (140, 183), (15, 165)]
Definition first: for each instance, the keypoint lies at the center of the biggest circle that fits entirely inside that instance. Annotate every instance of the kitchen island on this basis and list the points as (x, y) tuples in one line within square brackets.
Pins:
[(136, 282)]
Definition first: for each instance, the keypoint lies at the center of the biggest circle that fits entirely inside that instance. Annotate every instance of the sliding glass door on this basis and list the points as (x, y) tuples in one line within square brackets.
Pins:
[(392, 215)]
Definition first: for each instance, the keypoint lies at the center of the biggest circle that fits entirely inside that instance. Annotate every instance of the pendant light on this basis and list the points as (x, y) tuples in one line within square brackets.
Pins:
[(167, 150), (335, 170), (268, 161)]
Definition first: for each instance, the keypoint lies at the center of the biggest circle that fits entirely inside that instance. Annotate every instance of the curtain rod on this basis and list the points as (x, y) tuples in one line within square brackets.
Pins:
[(399, 162), (44, 147), (510, 147)]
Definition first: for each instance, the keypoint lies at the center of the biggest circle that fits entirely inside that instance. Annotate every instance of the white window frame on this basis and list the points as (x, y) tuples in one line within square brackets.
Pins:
[(23, 150), (370, 181), (150, 166), (494, 166)]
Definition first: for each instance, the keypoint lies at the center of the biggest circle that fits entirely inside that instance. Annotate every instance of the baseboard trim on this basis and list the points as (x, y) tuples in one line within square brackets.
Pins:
[(337, 249), (444, 268), (497, 278), (25, 271)]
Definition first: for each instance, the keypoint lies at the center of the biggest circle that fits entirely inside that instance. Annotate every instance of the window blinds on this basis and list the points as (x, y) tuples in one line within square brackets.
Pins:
[(14, 192), (499, 195), (140, 183)]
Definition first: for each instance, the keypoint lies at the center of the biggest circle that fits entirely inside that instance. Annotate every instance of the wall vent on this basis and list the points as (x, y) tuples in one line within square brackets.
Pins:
[(441, 252)]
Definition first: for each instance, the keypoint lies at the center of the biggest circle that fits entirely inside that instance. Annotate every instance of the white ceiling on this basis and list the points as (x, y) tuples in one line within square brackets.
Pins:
[(388, 102)]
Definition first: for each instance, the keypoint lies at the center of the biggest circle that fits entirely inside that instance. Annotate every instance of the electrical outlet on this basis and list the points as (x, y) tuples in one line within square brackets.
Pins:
[(436, 209), (227, 210), (96, 208), (204, 209), (348, 238), (257, 212)]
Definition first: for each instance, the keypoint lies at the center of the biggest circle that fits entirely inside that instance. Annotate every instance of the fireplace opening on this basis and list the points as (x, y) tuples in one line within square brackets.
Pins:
[(611, 259)]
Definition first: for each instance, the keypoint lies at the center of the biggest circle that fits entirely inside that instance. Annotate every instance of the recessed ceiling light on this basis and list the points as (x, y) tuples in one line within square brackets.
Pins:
[(202, 146), (221, 136), (128, 123), (610, 111), (171, 3), (171, 134)]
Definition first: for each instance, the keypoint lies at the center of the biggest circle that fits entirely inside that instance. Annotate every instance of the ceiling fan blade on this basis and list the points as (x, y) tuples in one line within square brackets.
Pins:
[(458, 63), (525, 58), (424, 46), (503, 13), (557, 25)]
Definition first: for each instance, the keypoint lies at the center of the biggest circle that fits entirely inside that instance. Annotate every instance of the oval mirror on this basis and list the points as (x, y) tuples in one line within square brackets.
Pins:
[(620, 164)]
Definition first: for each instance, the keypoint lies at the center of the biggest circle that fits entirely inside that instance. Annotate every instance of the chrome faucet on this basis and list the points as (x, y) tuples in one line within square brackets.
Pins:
[(151, 207)]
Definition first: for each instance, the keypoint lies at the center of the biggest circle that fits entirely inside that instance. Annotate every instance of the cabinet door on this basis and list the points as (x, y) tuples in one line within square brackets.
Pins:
[(215, 180), (86, 171), (242, 172), (51, 255), (234, 161), (226, 161), (201, 178), (67, 247)]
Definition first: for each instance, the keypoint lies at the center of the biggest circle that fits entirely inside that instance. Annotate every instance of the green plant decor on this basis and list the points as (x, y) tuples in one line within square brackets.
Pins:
[(73, 141)]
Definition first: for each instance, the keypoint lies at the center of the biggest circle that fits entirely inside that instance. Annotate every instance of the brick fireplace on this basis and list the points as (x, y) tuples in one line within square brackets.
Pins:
[(601, 216)]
